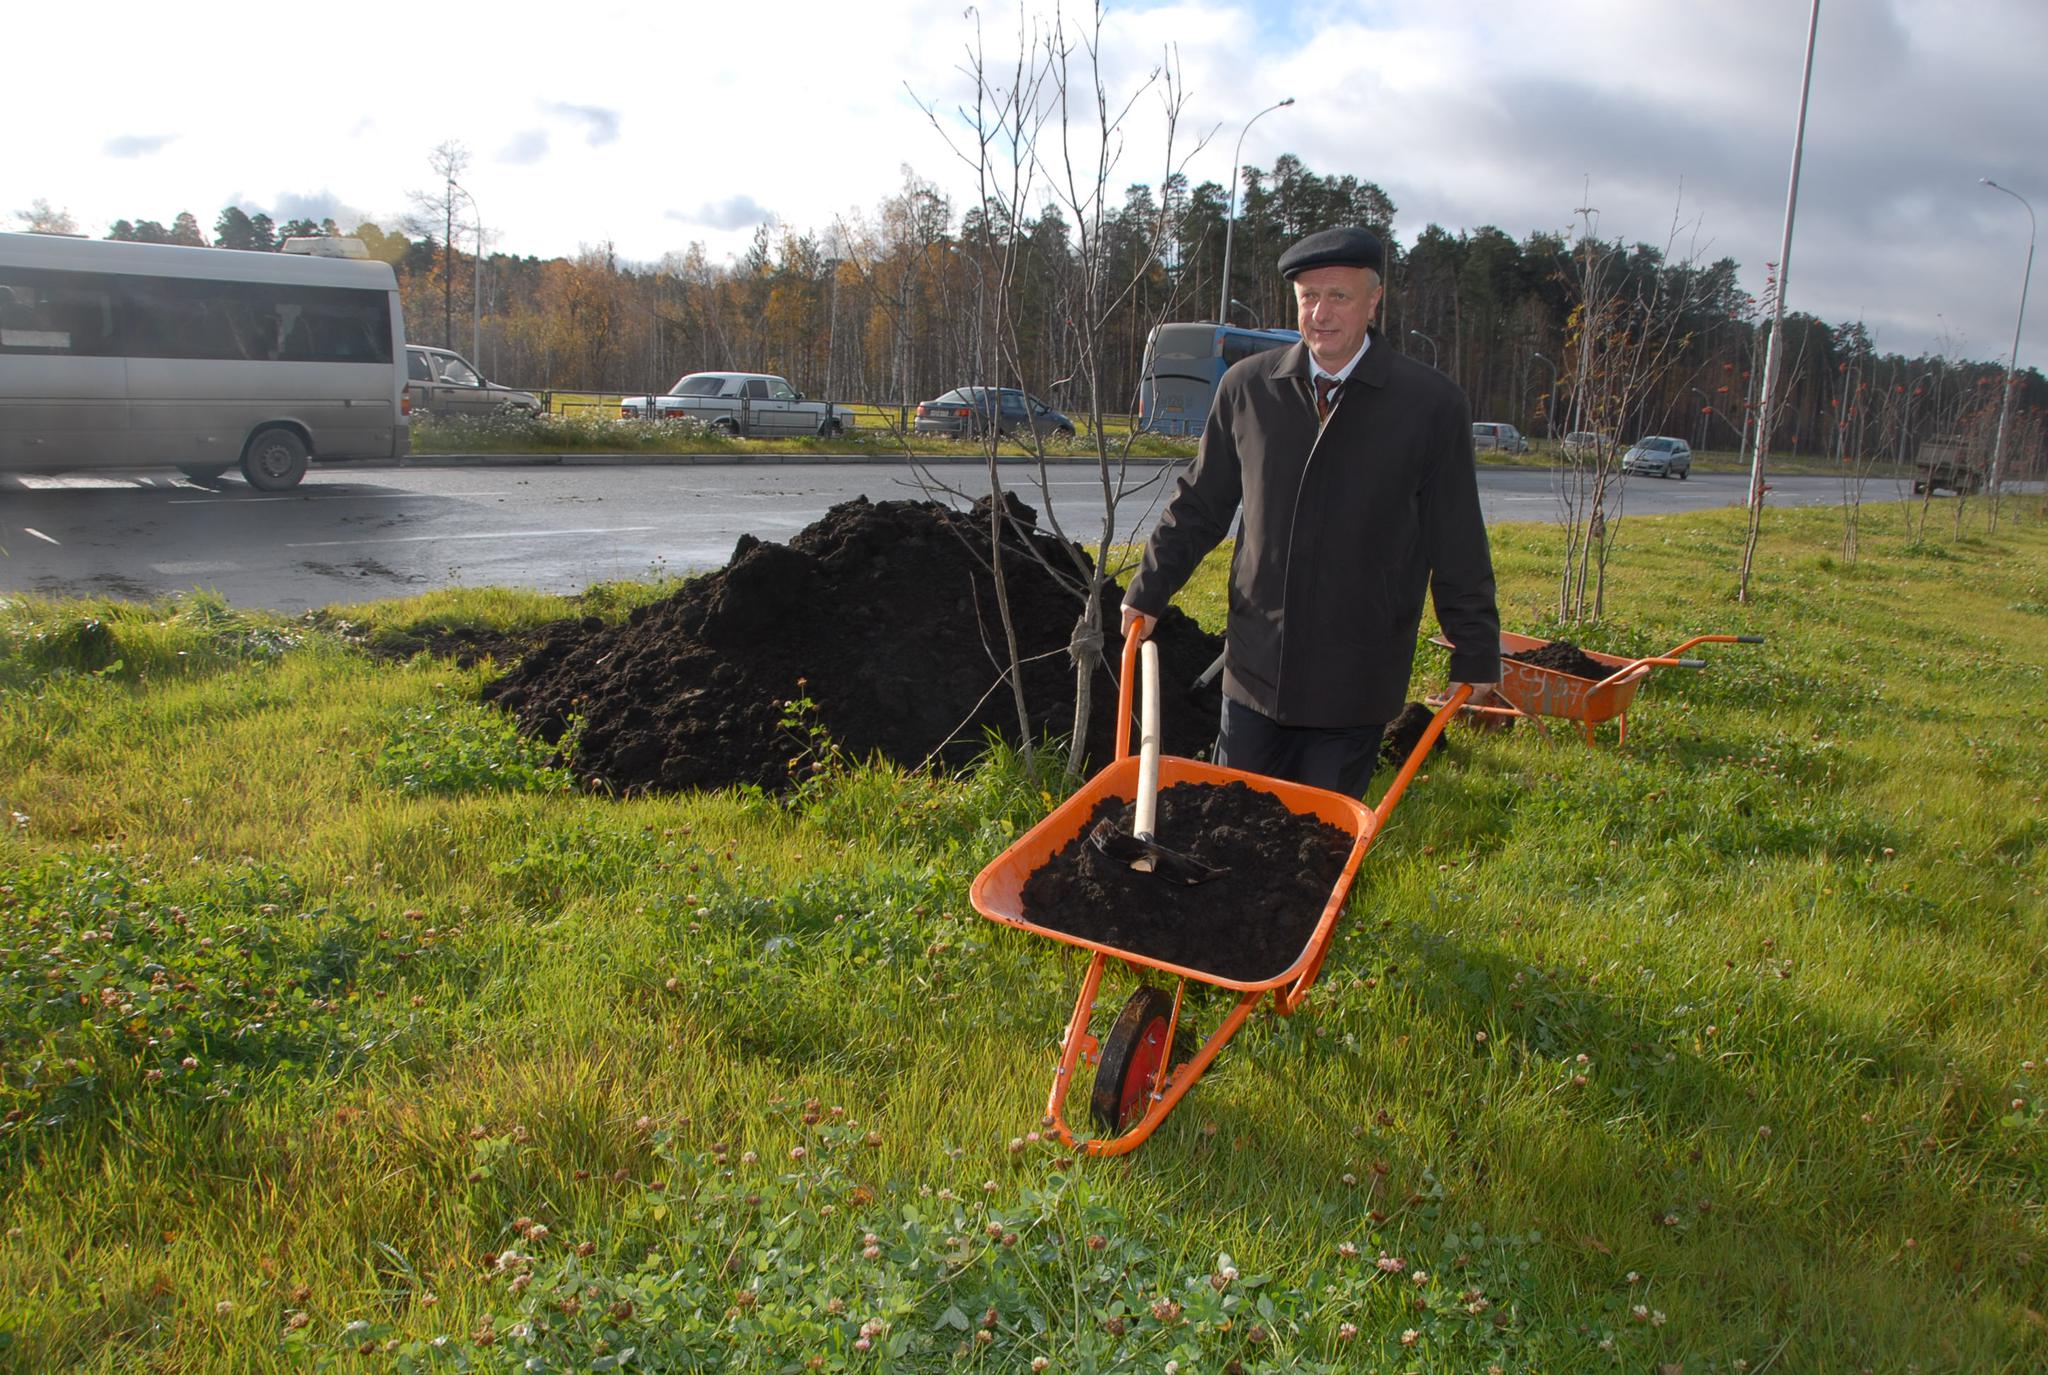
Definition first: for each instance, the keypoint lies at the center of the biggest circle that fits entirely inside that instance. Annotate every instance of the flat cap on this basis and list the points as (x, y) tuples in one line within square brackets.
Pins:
[(1334, 248)]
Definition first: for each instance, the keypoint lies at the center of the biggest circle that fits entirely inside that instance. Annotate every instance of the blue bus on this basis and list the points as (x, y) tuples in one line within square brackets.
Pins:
[(1183, 364)]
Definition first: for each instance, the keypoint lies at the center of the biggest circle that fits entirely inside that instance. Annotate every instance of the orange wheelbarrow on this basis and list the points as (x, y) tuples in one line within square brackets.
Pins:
[(1137, 1081), (1531, 690)]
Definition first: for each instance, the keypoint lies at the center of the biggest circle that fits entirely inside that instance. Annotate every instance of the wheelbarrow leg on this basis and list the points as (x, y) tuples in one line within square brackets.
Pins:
[(1074, 1042)]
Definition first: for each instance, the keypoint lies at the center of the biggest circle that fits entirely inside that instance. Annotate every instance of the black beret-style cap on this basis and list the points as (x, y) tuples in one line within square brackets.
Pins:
[(1334, 248)]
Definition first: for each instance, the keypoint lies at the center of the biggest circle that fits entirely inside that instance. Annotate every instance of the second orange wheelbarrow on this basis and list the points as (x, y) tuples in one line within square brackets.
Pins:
[(1531, 690), (1137, 1078)]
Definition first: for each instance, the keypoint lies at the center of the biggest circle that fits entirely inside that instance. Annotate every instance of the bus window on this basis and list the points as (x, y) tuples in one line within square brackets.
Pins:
[(255, 321), (64, 313), (1179, 343), (1238, 346), (186, 319)]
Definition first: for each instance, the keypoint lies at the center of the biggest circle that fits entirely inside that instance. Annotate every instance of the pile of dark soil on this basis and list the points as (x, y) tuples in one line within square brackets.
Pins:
[(878, 625), (1404, 733), (1562, 656), (1250, 924)]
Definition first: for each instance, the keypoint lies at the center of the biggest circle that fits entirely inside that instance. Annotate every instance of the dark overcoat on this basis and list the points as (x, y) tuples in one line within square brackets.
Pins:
[(1346, 526)]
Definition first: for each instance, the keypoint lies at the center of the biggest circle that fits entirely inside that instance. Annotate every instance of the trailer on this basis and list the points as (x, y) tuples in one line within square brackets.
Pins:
[(1947, 461)]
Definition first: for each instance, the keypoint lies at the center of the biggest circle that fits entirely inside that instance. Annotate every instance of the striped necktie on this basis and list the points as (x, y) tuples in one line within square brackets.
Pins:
[(1326, 397)]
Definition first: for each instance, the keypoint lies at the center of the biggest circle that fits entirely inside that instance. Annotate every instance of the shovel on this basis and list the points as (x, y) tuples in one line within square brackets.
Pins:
[(1136, 848)]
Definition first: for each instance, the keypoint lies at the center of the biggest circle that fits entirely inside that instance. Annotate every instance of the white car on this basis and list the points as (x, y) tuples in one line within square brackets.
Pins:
[(756, 404), (1659, 456)]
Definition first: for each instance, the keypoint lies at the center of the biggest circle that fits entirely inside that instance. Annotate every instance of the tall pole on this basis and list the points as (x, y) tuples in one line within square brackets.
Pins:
[(1749, 378), (448, 263), (2011, 363), (1769, 398), (476, 289), (1230, 223), (1429, 341), (1763, 421)]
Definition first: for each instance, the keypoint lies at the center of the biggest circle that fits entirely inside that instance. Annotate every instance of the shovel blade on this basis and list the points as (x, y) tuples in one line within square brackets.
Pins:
[(1121, 847)]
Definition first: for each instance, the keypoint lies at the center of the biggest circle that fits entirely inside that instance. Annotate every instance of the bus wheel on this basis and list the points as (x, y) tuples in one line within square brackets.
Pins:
[(275, 460)]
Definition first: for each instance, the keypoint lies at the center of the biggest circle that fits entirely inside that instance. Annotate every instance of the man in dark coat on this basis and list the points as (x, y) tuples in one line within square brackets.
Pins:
[(1354, 468)]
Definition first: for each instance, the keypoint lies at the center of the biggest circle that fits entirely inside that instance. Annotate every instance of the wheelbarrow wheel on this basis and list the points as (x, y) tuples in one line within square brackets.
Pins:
[(1131, 1055)]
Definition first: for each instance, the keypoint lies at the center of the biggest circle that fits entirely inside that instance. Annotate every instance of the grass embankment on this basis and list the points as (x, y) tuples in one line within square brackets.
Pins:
[(1544, 454), (574, 427), (335, 1022), (588, 423)]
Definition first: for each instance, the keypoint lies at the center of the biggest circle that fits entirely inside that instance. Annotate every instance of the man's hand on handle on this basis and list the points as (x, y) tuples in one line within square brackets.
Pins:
[(1481, 692), (1138, 623)]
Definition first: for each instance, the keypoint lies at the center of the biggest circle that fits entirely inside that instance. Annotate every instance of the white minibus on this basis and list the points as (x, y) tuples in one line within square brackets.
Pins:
[(123, 355)]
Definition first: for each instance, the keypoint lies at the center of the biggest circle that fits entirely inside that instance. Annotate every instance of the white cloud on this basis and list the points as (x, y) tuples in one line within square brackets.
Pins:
[(136, 145), (312, 205), (527, 146), (736, 212), (601, 126)]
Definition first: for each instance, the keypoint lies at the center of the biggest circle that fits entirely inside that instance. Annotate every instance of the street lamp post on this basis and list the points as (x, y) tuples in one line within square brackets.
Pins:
[(1230, 223), (1769, 397), (1700, 436), (1427, 340), (1550, 415), (2005, 408)]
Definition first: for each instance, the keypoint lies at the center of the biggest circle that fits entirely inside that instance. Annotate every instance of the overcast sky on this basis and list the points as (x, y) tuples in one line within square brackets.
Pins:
[(655, 126)]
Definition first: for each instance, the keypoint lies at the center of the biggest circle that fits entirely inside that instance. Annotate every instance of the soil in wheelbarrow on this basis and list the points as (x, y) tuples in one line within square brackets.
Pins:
[(1248, 925), (1562, 656), (877, 628)]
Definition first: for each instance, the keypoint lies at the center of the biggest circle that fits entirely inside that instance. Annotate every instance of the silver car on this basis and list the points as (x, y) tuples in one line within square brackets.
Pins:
[(442, 382), (1499, 437), (1659, 456)]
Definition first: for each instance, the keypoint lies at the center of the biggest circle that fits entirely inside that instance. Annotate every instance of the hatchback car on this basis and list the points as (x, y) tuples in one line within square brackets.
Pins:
[(970, 412), (1498, 437), (1583, 444), (442, 382), (1659, 456)]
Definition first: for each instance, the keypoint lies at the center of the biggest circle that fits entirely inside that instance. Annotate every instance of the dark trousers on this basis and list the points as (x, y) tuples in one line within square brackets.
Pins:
[(1340, 759)]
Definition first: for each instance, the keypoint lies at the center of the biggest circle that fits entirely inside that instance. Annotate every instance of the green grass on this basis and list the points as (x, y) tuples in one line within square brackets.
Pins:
[(1544, 454), (335, 1029), (587, 422)]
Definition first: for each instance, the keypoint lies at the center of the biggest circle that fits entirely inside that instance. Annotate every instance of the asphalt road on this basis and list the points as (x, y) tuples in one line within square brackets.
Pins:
[(357, 534)]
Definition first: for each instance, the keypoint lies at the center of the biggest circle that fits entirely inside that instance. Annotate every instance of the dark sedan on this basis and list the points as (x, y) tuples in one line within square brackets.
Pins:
[(971, 412)]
